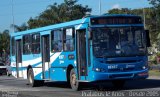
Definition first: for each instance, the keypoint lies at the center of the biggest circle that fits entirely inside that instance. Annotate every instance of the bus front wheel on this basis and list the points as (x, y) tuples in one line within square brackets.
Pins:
[(75, 85)]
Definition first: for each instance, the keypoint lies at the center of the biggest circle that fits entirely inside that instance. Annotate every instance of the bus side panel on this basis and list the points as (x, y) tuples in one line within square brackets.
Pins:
[(59, 64), (22, 70), (38, 73), (35, 62), (13, 65), (58, 74)]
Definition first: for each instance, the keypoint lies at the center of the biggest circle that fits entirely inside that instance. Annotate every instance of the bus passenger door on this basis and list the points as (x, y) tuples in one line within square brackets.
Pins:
[(19, 58), (45, 56), (81, 53)]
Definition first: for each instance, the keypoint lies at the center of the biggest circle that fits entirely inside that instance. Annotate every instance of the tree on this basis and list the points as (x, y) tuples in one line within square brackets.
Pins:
[(66, 11), (4, 42), (19, 28), (120, 11), (55, 13), (156, 17)]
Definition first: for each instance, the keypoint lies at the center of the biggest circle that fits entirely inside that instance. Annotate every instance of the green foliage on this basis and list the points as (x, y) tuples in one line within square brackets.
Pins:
[(4, 42), (19, 28), (158, 54), (153, 60), (156, 5), (154, 73)]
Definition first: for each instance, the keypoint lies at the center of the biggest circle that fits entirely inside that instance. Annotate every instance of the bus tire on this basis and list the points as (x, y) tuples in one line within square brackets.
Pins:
[(118, 83), (75, 85), (32, 81)]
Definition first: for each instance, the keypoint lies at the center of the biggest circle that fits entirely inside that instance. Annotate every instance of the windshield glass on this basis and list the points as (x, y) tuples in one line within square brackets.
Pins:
[(122, 41)]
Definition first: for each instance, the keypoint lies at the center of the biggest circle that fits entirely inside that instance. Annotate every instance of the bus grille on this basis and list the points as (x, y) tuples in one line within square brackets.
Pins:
[(120, 75), (121, 70), (122, 61)]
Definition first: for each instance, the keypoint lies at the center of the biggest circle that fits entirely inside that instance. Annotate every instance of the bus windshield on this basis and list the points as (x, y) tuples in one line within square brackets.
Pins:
[(118, 41)]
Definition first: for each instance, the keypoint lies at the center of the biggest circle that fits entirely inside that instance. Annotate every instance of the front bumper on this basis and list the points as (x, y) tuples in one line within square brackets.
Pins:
[(100, 76)]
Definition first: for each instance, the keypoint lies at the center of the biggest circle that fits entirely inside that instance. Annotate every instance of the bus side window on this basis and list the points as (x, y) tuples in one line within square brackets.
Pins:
[(56, 40), (27, 44), (36, 43), (68, 39)]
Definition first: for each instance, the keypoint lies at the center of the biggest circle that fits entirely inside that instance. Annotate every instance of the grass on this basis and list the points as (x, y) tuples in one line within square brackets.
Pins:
[(154, 73)]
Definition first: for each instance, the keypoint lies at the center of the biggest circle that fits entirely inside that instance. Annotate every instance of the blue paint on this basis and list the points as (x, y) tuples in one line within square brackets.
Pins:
[(38, 76), (25, 68), (45, 32), (19, 69), (58, 74), (18, 37), (72, 23)]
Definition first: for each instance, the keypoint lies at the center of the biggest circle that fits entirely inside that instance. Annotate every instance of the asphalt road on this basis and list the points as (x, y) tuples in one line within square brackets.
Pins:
[(12, 87)]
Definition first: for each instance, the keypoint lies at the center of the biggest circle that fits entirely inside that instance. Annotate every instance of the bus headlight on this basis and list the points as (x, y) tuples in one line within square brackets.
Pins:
[(99, 70), (144, 67)]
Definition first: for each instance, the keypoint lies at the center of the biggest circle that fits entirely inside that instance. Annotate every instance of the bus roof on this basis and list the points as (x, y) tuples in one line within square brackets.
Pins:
[(54, 26), (70, 23), (128, 15)]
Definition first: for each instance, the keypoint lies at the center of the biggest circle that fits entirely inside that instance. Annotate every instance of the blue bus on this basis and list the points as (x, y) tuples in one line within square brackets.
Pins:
[(92, 49)]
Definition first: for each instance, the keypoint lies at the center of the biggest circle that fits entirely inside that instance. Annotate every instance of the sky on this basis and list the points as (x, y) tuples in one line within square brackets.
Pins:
[(24, 9)]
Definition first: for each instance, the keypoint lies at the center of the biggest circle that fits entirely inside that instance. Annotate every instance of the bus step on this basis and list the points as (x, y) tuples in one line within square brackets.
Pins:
[(82, 81), (46, 79)]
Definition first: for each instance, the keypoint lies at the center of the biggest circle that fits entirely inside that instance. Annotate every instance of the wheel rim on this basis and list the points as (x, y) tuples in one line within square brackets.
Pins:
[(73, 80), (30, 78)]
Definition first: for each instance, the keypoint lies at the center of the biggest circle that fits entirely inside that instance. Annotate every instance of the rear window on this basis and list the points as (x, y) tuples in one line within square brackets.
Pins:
[(1, 64)]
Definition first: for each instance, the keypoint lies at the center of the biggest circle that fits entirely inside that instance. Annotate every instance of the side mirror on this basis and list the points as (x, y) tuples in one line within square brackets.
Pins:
[(147, 38), (90, 33)]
